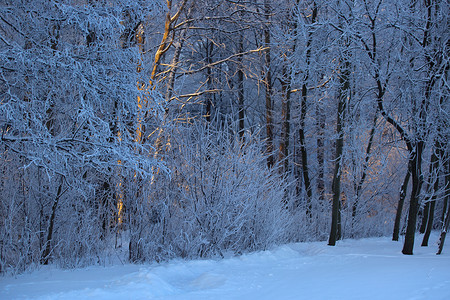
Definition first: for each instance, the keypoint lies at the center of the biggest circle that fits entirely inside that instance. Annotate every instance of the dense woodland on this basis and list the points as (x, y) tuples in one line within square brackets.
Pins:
[(181, 128)]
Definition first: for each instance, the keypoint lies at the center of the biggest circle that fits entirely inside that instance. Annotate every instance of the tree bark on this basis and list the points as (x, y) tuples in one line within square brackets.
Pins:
[(443, 232), (320, 125), (335, 233), (401, 201), (425, 213), (240, 88), (303, 110), (360, 183), (415, 159), (446, 217), (209, 96), (268, 87), (165, 44), (45, 257), (286, 120), (303, 151), (174, 63), (433, 189)]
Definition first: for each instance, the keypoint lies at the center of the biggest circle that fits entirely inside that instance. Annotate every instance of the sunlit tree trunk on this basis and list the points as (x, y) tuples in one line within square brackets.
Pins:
[(166, 40), (166, 43)]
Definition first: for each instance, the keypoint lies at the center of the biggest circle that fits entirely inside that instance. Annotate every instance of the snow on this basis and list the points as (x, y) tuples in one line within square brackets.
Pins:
[(372, 268)]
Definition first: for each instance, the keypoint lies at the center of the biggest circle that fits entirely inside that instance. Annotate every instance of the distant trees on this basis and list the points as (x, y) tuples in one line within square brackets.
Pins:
[(68, 107), (192, 129)]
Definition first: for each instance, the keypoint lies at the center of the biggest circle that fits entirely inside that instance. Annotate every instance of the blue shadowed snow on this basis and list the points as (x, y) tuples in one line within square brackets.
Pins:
[(367, 269)]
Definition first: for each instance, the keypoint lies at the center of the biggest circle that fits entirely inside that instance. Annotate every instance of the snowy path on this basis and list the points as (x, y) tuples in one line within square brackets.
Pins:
[(364, 269)]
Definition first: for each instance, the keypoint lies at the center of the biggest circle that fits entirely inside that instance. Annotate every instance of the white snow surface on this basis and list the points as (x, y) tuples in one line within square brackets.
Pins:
[(372, 268)]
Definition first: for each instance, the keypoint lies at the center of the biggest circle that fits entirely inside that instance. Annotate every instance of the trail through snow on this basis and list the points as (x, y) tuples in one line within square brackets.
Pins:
[(371, 268)]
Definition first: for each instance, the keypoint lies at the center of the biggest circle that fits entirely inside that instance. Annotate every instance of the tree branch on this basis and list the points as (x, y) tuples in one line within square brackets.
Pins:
[(223, 60)]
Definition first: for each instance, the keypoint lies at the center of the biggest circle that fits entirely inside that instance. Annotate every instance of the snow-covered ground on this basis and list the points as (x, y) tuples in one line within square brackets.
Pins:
[(371, 268)]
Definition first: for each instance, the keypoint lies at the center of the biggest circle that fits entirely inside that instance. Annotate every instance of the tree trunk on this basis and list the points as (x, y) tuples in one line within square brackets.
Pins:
[(165, 45), (415, 159), (268, 87), (425, 213), (336, 186), (433, 189), (401, 201), (286, 119), (429, 224), (433, 169), (443, 232), (240, 88), (209, 96), (303, 152), (335, 233), (303, 109), (174, 63), (359, 186), (320, 153), (51, 223), (446, 217)]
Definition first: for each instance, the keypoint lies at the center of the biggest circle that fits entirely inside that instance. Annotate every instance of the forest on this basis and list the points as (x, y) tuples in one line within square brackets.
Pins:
[(198, 129)]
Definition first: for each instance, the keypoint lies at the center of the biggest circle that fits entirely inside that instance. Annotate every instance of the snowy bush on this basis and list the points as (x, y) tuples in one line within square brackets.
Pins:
[(221, 198)]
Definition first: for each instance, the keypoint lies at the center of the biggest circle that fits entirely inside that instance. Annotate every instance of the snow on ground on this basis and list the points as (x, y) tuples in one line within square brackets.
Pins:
[(367, 269)]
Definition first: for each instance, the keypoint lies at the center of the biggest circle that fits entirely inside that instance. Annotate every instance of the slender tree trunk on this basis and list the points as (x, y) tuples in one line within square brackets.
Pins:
[(165, 44), (425, 213), (268, 87), (303, 151), (360, 184), (286, 119), (336, 186), (51, 223), (429, 224), (335, 233), (401, 201), (320, 153), (446, 218), (433, 189), (443, 232), (174, 63), (240, 88), (432, 170), (303, 110), (416, 173), (444, 210), (209, 96), (446, 187)]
